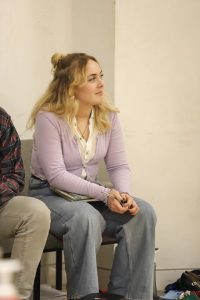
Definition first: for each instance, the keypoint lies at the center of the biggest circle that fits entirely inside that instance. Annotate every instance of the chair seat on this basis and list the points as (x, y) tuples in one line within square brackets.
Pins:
[(6, 246), (52, 244), (107, 240)]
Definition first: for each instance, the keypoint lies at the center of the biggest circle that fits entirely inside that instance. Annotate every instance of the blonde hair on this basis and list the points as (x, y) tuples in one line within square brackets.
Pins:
[(69, 72)]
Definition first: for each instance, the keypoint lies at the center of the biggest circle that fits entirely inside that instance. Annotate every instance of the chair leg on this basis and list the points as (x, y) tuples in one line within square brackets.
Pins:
[(59, 270), (154, 282), (36, 286)]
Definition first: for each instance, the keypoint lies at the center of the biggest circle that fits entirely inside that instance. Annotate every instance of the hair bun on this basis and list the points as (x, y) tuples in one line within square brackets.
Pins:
[(55, 59)]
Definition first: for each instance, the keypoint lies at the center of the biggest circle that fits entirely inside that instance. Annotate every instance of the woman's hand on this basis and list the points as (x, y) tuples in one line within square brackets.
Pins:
[(129, 202), (114, 202), (121, 203)]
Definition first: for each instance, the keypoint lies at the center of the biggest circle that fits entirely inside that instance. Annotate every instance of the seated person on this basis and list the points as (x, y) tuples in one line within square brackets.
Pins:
[(76, 128), (25, 219)]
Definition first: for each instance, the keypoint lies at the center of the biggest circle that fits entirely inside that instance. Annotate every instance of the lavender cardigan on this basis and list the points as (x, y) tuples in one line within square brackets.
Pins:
[(56, 157)]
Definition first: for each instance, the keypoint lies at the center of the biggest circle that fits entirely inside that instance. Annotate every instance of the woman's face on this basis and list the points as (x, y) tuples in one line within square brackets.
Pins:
[(91, 93)]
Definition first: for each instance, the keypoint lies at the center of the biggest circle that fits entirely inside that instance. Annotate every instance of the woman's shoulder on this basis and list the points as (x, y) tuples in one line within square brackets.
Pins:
[(113, 116), (48, 115), (46, 118)]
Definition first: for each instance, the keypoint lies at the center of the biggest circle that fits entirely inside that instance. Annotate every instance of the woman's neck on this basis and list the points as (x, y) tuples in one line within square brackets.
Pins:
[(84, 113), (82, 121)]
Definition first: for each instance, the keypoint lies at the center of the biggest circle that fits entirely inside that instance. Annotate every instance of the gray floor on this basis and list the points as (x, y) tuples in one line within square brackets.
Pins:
[(49, 293)]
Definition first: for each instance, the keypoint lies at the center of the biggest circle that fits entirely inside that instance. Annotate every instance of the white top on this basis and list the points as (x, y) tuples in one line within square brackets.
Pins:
[(86, 148)]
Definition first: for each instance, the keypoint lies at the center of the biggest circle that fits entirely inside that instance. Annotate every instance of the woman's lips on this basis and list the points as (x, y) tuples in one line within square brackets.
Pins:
[(100, 93)]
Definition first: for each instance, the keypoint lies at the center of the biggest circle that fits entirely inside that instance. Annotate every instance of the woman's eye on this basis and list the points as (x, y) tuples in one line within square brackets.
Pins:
[(95, 78), (92, 79)]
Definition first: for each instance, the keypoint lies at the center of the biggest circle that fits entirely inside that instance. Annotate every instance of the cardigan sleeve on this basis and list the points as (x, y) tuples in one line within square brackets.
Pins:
[(115, 159)]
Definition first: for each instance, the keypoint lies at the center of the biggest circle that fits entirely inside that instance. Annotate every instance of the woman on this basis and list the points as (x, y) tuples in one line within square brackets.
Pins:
[(75, 128)]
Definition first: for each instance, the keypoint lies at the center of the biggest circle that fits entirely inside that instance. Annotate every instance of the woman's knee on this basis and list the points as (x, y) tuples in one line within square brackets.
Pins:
[(146, 210), (89, 218)]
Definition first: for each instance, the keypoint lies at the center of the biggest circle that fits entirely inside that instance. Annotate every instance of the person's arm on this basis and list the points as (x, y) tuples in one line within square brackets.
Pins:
[(116, 161), (49, 150), (120, 199), (11, 166)]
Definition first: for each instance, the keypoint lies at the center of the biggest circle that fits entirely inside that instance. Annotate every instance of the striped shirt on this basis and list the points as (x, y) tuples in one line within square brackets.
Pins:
[(11, 166)]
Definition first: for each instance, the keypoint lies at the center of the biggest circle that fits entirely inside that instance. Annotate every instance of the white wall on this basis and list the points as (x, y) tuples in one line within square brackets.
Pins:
[(157, 88), (31, 31), (93, 32)]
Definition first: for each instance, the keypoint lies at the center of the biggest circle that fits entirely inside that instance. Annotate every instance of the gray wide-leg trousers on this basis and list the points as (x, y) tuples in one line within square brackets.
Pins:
[(81, 226)]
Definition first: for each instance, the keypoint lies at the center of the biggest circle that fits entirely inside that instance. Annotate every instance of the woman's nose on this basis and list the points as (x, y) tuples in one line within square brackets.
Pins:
[(100, 82)]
